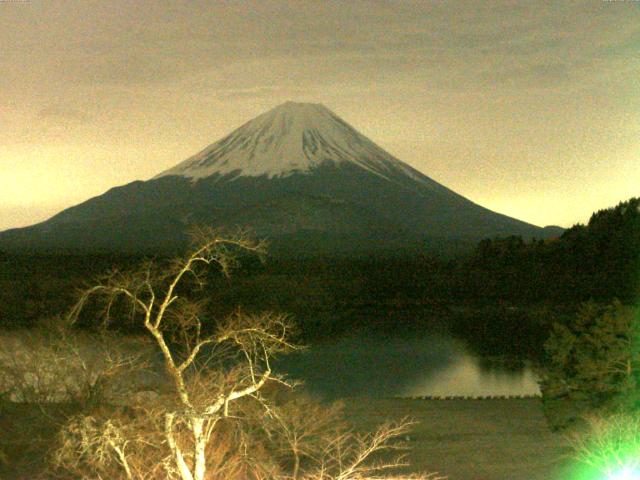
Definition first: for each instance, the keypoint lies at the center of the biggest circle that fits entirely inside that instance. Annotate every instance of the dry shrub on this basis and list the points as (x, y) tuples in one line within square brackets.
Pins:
[(56, 363), (110, 442)]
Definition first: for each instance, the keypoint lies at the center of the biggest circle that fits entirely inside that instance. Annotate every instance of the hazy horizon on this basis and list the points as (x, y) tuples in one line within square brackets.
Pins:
[(528, 109)]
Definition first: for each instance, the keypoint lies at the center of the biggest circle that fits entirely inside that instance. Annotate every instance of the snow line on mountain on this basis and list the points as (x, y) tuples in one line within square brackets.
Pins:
[(291, 138)]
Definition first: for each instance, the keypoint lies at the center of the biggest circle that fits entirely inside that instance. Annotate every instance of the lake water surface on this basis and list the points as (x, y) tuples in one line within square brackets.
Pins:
[(399, 366)]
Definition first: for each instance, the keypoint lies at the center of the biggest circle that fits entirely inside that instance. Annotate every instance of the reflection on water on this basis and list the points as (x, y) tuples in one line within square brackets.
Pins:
[(464, 377), (400, 366)]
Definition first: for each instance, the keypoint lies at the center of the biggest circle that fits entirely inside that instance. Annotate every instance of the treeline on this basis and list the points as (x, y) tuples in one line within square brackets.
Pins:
[(503, 296), (598, 261), (35, 287)]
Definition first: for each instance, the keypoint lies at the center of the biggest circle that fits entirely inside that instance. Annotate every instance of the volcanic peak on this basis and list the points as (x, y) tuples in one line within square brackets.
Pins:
[(290, 138)]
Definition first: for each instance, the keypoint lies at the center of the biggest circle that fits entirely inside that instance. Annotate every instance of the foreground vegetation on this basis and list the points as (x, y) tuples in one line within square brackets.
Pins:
[(593, 364), (219, 411), (489, 439)]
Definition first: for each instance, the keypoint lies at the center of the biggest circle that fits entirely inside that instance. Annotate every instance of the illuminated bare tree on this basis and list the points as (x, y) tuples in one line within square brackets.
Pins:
[(215, 371), (322, 447), (201, 396)]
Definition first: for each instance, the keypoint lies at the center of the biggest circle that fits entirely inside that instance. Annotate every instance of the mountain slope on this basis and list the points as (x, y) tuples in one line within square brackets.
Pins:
[(297, 171)]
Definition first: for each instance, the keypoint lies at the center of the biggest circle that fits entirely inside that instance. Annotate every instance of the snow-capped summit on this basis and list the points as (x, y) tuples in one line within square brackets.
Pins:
[(290, 138)]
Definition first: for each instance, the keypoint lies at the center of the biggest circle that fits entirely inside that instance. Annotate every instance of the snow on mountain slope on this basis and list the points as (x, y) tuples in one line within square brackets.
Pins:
[(292, 138)]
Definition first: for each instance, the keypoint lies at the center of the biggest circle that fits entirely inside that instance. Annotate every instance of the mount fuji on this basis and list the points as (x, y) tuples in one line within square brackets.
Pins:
[(298, 175)]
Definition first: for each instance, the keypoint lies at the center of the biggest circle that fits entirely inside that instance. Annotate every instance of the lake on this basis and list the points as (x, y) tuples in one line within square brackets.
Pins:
[(391, 366), (379, 366)]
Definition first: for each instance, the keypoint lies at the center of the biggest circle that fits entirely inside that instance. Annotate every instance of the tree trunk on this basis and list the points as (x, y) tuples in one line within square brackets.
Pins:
[(199, 441), (296, 464), (183, 468)]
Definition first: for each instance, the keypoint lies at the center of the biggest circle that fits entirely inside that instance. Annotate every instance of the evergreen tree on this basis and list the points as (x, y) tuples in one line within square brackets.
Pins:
[(593, 364)]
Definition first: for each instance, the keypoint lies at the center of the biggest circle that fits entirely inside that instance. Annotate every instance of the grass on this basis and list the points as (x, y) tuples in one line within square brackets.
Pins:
[(473, 439), (464, 439)]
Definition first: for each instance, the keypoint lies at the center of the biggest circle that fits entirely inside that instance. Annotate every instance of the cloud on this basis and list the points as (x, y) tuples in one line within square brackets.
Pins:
[(541, 75), (62, 113), (154, 44), (548, 82), (258, 92)]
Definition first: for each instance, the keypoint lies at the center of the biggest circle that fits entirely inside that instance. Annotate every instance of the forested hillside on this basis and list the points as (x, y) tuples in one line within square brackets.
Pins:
[(503, 296)]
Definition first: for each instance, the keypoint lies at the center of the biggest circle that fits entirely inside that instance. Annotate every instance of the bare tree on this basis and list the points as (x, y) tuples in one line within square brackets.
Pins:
[(215, 369), (299, 429), (201, 395), (351, 456)]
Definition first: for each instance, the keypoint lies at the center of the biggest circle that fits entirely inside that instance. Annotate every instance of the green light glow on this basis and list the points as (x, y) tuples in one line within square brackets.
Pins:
[(627, 473), (610, 446)]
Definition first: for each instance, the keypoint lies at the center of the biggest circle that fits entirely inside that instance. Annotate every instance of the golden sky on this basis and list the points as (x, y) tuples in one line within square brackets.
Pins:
[(529, 108)]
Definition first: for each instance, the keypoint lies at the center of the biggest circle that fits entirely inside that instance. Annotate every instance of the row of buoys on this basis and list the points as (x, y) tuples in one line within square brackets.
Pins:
[(473, 397)]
